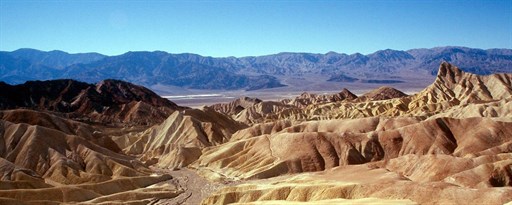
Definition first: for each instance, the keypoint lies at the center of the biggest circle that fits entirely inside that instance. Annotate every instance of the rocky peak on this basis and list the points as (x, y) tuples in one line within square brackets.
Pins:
[(382, 93), (448, 73), (347, 94)]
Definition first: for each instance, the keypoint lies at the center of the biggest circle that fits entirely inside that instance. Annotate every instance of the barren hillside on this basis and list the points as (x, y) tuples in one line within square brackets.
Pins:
[(117, 143)]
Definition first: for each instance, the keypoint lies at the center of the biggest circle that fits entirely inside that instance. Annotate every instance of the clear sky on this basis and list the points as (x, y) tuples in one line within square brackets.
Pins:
[(248, 28)]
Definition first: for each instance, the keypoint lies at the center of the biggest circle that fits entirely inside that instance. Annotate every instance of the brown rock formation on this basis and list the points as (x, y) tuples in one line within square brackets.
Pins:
[(109, 101), (382, 93)]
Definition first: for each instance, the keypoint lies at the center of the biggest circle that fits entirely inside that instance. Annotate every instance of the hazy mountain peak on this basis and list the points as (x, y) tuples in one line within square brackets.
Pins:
[(332, 53), (54, 59), (391, 54)]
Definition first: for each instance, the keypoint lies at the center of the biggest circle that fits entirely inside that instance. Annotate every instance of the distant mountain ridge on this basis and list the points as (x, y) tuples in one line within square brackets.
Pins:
[(250, 73), (55, 59)]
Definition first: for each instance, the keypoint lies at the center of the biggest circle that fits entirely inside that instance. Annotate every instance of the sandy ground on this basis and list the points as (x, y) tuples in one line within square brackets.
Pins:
[(196, 187)]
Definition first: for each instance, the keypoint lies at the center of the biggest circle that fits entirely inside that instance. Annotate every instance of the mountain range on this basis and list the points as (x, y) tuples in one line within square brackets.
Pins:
[(250, 73), (114, 142)]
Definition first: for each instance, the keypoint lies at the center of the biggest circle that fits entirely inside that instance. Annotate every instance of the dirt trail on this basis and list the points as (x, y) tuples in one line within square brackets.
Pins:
[(196, 187)]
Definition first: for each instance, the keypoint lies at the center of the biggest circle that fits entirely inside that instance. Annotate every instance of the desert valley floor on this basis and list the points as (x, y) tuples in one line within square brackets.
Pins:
[(64, 141)]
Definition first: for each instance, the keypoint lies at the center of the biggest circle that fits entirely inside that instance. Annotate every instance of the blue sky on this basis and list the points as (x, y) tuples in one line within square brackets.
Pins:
[(248, 28)]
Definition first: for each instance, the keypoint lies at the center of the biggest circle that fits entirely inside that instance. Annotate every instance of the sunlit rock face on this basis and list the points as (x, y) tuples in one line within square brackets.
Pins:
[(449, 143)]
